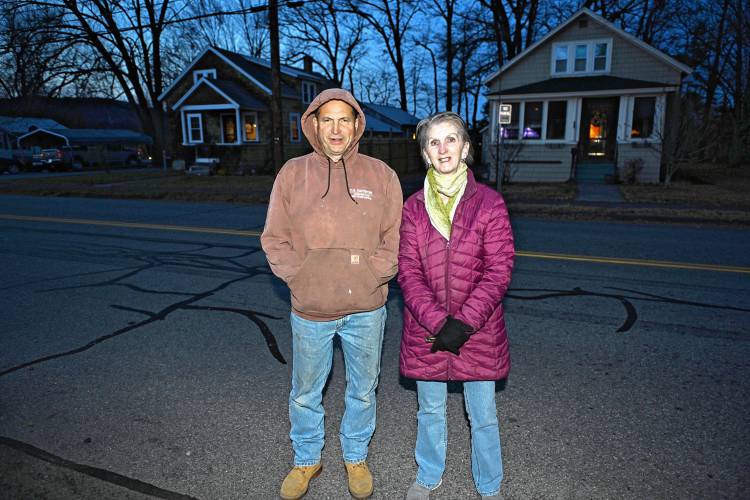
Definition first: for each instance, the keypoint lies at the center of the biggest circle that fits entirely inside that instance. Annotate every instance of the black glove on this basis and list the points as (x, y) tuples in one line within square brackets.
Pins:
[(452, 336)]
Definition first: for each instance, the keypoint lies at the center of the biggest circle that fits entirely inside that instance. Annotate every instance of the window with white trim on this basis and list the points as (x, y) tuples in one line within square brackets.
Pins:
[(643, 119), (600, 56), (308, 92), (510, 131), (560, 64), (579, 64), (204, 73), (581, 57), (194, 128), (532, 120), (557, 117), (295, 133), (228, 128), (539, 121), (250, 131)]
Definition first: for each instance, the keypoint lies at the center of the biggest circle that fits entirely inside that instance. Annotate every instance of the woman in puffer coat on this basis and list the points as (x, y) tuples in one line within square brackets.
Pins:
[(455, 262)]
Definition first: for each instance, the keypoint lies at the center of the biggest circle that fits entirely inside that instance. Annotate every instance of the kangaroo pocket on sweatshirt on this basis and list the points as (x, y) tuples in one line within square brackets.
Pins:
[(335, 281)]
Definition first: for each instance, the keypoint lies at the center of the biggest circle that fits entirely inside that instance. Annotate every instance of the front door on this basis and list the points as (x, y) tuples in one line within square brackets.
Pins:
[(598, 129)]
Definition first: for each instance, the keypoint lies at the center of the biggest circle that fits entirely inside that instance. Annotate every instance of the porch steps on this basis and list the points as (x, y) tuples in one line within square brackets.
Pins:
[(593, 173)]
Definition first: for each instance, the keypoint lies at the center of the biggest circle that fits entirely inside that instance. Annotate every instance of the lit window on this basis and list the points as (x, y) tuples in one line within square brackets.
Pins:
[(228, 129), (561, 59), (643, 117), (532, 121), (250, 127), (510, 131), (556, 116), (580, 61), (294, 128), (194, 128), (308, 92)]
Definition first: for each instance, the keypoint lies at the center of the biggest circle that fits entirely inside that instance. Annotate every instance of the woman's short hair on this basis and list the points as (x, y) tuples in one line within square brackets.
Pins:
[(444, 116)]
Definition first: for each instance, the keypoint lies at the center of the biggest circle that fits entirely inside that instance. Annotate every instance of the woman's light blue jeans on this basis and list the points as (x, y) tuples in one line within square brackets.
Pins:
[(312, 345), (432, 434)]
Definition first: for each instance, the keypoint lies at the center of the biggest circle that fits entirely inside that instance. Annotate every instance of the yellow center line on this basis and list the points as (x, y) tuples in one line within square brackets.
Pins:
[(133, 225), (519, 253), (635, 262)]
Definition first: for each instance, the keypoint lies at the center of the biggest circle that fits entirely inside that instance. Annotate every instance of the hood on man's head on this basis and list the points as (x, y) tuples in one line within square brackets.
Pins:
[(308, 125)]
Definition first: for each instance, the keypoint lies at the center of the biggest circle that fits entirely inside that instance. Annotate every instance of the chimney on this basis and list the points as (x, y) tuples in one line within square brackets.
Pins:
[(307, 63)]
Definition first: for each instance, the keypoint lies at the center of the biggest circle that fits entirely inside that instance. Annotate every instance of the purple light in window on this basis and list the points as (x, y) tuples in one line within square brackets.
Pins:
[(530, 133)]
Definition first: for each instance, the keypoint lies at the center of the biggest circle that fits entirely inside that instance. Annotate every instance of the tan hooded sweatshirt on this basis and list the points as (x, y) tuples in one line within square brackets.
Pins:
[(336, 252)]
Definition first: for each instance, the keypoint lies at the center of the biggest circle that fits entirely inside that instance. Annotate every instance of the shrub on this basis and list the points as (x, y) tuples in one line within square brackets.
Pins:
[(628, 173)]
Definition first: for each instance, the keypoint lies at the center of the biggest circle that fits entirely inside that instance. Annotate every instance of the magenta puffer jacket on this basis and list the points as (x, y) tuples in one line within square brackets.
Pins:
[(465, 277)]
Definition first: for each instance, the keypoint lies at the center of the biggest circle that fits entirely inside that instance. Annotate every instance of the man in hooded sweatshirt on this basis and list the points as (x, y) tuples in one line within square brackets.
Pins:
[(332, 234)]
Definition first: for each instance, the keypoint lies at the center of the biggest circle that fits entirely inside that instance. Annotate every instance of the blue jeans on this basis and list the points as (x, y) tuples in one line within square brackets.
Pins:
[(432, 434), (312, 344)]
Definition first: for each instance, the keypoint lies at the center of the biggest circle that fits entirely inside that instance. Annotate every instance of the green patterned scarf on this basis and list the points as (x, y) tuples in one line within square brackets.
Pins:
[(452, 186)]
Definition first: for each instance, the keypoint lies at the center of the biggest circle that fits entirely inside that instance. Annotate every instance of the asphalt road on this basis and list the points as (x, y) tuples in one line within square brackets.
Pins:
[(144, 352)]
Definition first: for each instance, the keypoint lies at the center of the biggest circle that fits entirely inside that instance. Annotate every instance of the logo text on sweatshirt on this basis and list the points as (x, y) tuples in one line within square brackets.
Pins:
[(362, 194)]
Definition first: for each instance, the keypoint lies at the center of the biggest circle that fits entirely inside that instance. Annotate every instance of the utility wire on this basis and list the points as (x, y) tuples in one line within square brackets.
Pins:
[(247, 10)]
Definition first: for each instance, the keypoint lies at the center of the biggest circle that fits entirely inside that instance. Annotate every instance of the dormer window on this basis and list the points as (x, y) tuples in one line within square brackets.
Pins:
[(308, 92), (204, 73), (581, 58)]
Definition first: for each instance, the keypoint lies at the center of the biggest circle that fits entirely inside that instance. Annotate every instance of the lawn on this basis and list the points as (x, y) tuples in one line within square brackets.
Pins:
[(699, 194), (698, 185)]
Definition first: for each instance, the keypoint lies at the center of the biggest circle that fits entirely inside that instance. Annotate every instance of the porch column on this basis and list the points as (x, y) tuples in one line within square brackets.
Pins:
[(182, 126), (238, 126)]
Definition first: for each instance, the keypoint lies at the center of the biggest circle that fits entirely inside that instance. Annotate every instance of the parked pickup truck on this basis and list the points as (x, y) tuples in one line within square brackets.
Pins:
[(56, 159), (78, 157)]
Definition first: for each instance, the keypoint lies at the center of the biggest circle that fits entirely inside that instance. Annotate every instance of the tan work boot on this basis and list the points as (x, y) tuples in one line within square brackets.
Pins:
[(296, 482), (360, 480)]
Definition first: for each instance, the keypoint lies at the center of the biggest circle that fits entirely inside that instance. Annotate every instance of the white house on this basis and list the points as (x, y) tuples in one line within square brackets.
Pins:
[(586, 99)]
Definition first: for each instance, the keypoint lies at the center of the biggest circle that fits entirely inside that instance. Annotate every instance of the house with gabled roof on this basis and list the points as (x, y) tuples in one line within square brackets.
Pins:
[(587, 102), (219, 111)]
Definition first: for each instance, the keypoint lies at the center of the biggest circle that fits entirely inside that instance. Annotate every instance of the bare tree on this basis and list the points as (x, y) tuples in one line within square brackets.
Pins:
[(321, 29), (34, 61), (687, 141), (128, 36), (446, 10), (425, 44), (390, 19), (512, 25)]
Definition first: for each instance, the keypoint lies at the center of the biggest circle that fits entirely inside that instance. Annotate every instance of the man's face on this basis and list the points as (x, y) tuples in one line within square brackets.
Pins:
[(335, 125)]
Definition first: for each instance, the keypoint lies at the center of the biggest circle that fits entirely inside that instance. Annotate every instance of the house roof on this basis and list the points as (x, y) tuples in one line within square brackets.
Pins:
[(580, 84), (23, 124), (397, 116), (240, 95), (94, 136), (599, 19), (236, 94), (257, 71), (373, 124), (285, 69)]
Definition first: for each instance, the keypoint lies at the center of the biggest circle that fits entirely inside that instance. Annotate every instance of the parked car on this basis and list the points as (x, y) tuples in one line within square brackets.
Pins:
[(57, 159)]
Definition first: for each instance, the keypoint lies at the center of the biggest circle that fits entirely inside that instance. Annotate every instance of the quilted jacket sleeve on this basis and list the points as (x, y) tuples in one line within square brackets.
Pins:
[(419, 297), (498, 254)]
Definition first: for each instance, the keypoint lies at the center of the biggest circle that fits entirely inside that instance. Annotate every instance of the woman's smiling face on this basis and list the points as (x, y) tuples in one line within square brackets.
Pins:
[(445, 148)]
